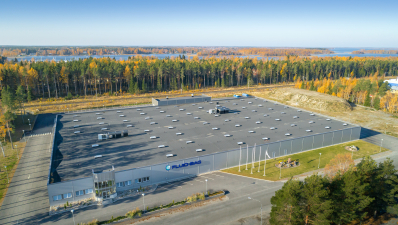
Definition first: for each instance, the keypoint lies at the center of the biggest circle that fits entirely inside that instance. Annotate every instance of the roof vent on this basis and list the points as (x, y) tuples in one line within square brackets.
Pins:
[(77, 132), (121, 115), (226, 120), (147, 131), (227, 135), (272, 128), (175, 120), (299, 110), (189, 142), (265, 138), (308, 130), (147, 118), (98, 113), (260, 105), (99, 118), (295, 117), (168, 115), (312, 114), (142, 113), (161, 146), (199, 150), (247, 117), (157, 108), (288, 134), (125, 121), (119, 111), (200, 107), (215, 128), (196, 117), (76, 126), (161, 111), (94, 145), (238, 125), (168, 155), (311, 122), (182, 109), (171, 127), (75, 120), (278, 119), (153, 137), (240, 143), (152, 123), (216, 115), (138, 109), (258, 122), (105, 128), (328, 119), (129, 125), (178, 134), (344, 124), (243, 107), (327, 127), (189, 113), (101, 123), (97, 156), (251, 131)]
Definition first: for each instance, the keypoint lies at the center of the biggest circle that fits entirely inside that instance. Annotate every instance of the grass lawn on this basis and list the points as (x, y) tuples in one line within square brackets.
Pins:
[(11, 159), (308, 161)]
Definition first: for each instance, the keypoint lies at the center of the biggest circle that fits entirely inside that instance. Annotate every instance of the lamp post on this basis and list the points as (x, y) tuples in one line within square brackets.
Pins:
[(30, 126), (23, 131), (319, 160), (16, 148), (381, 144), (261, 209), (206, 186), (73, 215), (143, 200), (7, 174)]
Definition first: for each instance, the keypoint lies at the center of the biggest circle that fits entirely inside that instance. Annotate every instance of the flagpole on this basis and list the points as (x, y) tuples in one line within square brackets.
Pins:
[(265, 159), (251, 168), (247, 154), (259, 160), (240, 156)]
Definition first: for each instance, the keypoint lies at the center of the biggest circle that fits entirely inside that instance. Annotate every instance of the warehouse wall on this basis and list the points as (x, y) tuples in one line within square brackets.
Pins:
[(212, 162)]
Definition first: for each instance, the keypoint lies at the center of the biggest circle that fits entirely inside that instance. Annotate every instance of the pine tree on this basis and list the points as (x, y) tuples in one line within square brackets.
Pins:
[(383, 89), (143, 86), (349, 196), (316, 205), (286, 204), (20, 96), (367, 100), (312, 87), (131, 86), (30, 96), (376, 102), (302, 85)]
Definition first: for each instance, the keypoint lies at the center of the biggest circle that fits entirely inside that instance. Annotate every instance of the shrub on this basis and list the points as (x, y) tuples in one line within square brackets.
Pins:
[(134, 213), (93, 222)]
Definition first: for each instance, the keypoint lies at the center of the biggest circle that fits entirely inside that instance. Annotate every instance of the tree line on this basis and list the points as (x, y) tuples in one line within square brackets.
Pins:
[(50, 79), (365, 190), (378, 51), (371, 92)]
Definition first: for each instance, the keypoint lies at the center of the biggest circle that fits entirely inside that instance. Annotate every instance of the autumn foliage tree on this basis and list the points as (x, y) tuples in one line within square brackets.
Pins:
[(339, 164)]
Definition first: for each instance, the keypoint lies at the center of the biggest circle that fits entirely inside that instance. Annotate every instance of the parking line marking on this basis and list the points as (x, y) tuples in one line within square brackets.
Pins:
[(208, 178)]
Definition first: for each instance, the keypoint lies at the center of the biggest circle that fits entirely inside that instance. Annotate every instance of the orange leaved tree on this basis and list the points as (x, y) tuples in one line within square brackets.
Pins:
[(341, 163)]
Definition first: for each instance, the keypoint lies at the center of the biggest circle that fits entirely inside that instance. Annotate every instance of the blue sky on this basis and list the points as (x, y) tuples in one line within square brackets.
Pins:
[(276, 23)]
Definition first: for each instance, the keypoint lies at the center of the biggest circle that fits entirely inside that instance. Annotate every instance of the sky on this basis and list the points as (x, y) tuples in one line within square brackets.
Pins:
[(260, 23)]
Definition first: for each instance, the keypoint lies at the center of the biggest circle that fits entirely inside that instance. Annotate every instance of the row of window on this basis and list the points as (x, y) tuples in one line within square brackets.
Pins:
[(84, 192), (63, 196), (128, 183), (69, 195), (123, 183)]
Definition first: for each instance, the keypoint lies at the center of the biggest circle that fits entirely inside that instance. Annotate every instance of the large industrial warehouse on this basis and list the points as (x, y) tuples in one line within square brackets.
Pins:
[(100, 153)]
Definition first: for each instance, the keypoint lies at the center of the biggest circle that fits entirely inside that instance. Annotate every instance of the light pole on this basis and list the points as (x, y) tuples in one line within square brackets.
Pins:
[(261, 210), (206, 186), (23, 131), (30, 127), (7, 174), (73, 215), (319, 160), (143, 200), (381, 144), (17, 151)]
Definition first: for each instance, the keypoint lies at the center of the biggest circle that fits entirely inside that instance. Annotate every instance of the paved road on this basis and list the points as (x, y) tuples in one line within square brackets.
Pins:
[(44, 123), (27, 196)]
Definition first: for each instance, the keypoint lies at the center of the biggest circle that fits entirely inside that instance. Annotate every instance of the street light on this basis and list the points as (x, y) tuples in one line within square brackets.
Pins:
[(261, 209), (17, 151), (143, 200), (381, 144), (206, 186), (30, 127), (319, 159), (7, 174), (23, 131), (73, 215)]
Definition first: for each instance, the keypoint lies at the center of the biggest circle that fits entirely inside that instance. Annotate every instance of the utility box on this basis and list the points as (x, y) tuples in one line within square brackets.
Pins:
[(212, 111), (125, 133), (102, 136)]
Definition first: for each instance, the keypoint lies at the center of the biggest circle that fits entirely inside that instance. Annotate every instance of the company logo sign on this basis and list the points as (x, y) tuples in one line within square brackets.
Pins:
[(183, 165)]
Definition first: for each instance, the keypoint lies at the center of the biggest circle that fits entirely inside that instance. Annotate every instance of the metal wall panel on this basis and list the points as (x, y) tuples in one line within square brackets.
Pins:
[(233, 158), (125, 175), (191, 170), (207, 164), (328, 139), (176, 173), (356, 132), (159, 173), (220, 161), (318, 140), (347, 135), (286, 148), (69, 187), (273, 148), (180, 101), (337, 137), (297, 145), (307, 144)]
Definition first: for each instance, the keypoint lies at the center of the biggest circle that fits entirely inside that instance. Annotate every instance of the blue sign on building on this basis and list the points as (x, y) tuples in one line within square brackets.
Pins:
[(183, 165)]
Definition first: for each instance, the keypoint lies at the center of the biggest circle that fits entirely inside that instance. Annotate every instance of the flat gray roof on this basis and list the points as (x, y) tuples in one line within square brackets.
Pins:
[(75, 158)]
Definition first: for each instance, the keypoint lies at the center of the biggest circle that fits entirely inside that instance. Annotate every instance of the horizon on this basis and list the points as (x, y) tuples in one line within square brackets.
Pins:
[(304, 24)]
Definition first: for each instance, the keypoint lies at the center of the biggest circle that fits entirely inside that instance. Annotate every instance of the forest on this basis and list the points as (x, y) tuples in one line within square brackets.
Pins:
[(50, 79), (380, 51), (13, 51)]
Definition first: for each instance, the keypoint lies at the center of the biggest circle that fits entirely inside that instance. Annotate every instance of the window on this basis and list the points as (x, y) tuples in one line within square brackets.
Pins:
[(67, 195), (57, 197), (147, 178), (89, 191), (78, 193), (144, 179), (120, 184), (127, 183)]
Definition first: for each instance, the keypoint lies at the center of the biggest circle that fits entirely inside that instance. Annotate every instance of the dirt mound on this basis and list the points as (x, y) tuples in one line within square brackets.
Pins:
[(309, 99)]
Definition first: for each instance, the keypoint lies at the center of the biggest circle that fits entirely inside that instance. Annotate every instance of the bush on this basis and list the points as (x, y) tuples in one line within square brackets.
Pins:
[(134, 213), (93, 222)]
